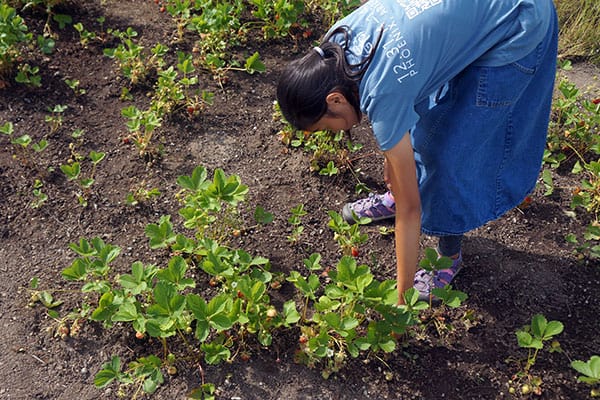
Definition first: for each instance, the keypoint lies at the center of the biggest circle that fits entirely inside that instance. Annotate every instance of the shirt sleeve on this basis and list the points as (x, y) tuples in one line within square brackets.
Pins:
[(390, 118)]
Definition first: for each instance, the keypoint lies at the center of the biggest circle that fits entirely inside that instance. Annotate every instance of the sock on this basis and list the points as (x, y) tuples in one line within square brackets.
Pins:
[(388, 199)]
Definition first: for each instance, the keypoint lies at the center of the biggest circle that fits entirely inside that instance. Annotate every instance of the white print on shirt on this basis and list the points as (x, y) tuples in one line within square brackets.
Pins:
[(361, 45), (395, 46), (413, 8)]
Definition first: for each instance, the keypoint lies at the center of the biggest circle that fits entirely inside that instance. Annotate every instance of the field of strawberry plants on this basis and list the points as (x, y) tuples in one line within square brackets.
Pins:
[(165, 234)]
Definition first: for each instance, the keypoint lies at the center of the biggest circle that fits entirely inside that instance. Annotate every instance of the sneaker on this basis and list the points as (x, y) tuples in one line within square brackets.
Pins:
[(426, 281), (376, 207)]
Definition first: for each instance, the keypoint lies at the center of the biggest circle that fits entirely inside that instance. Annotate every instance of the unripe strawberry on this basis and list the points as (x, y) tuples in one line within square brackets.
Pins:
[(271, 312)]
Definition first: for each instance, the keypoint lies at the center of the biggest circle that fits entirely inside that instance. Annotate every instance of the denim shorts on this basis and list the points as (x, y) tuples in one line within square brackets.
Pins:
[(479, 142)]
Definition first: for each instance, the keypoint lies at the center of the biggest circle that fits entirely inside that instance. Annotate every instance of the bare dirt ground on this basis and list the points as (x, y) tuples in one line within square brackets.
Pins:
[(515, 267)]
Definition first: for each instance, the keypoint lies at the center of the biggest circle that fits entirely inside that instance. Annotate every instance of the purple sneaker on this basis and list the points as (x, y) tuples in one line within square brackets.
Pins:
[(426, 281), (376, 207)]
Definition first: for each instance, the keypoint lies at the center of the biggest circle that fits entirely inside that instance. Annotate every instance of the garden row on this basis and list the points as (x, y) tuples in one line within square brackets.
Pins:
[(337, 313)]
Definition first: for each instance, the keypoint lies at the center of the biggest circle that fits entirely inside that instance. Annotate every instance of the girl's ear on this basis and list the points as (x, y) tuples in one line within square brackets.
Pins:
[(335, 98)]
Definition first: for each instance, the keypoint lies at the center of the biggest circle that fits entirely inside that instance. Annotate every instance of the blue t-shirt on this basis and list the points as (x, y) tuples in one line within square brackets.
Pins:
[(425, 43)]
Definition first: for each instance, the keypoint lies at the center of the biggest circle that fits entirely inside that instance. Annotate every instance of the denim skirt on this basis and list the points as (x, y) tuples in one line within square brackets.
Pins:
[(480, 140)]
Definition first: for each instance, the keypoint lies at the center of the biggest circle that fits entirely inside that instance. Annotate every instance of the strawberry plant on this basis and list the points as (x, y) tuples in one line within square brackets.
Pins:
[(210, 207), (48, 6), (73, 173), (145, 373), (85, 36), (133, 61), (141, 194), (345, 311), (329, 151), (534, 337), (181, 11), (73, 84), (331, 11), (39, 196), (13, 34), (347, 236), (24, 145), (55, 119), (28, 75), (575, 131), (353, 314), (278, 18), (295, 220), (141, 125), (587, 196), (575, 124), (588, 245), (590, 373)]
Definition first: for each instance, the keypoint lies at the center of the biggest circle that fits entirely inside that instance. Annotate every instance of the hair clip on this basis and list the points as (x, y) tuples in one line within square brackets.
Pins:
[(319, 51)]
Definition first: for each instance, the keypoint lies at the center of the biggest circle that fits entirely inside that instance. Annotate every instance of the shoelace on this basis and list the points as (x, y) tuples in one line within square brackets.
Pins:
[(366, 203)]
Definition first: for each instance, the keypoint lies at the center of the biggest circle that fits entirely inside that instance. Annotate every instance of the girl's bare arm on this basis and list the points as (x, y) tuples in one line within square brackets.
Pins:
[(401, 173)]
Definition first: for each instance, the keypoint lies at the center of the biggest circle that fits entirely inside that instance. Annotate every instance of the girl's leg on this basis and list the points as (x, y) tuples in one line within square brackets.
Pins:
[(450, 245), (425, 281)]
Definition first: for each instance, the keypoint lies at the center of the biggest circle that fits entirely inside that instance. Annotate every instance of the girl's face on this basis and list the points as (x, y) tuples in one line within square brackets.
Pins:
[(340, 115)]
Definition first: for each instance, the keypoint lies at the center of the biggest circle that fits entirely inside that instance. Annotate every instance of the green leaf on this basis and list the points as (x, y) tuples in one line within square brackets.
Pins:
[(253, 64), (290, 312), (71, 170), (23, 140), (34, 282), (127, 312), (175, 274), (538, 325), (48, 301), (204, 392), (161, 235), (106, 307), (76, 271), (449, 297), (7, 128), (84, 248), (96, 157), (525, 340), (590, 370), (548, 182), (195, 182), (62, 20), (86, 183), (387, 346), (215, 353), (109, 372), (220, 322), (40, 146), (552, 329), (262, 217)]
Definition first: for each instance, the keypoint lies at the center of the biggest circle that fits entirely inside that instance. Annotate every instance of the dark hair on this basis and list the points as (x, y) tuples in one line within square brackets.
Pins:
[(306, 82)]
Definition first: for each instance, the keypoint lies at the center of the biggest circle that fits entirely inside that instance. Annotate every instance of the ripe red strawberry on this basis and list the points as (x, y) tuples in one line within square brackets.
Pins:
[(596, 101), (354, 251)]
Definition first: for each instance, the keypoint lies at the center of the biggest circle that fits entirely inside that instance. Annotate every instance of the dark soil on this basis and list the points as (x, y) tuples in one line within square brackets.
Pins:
[(515, 267)]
